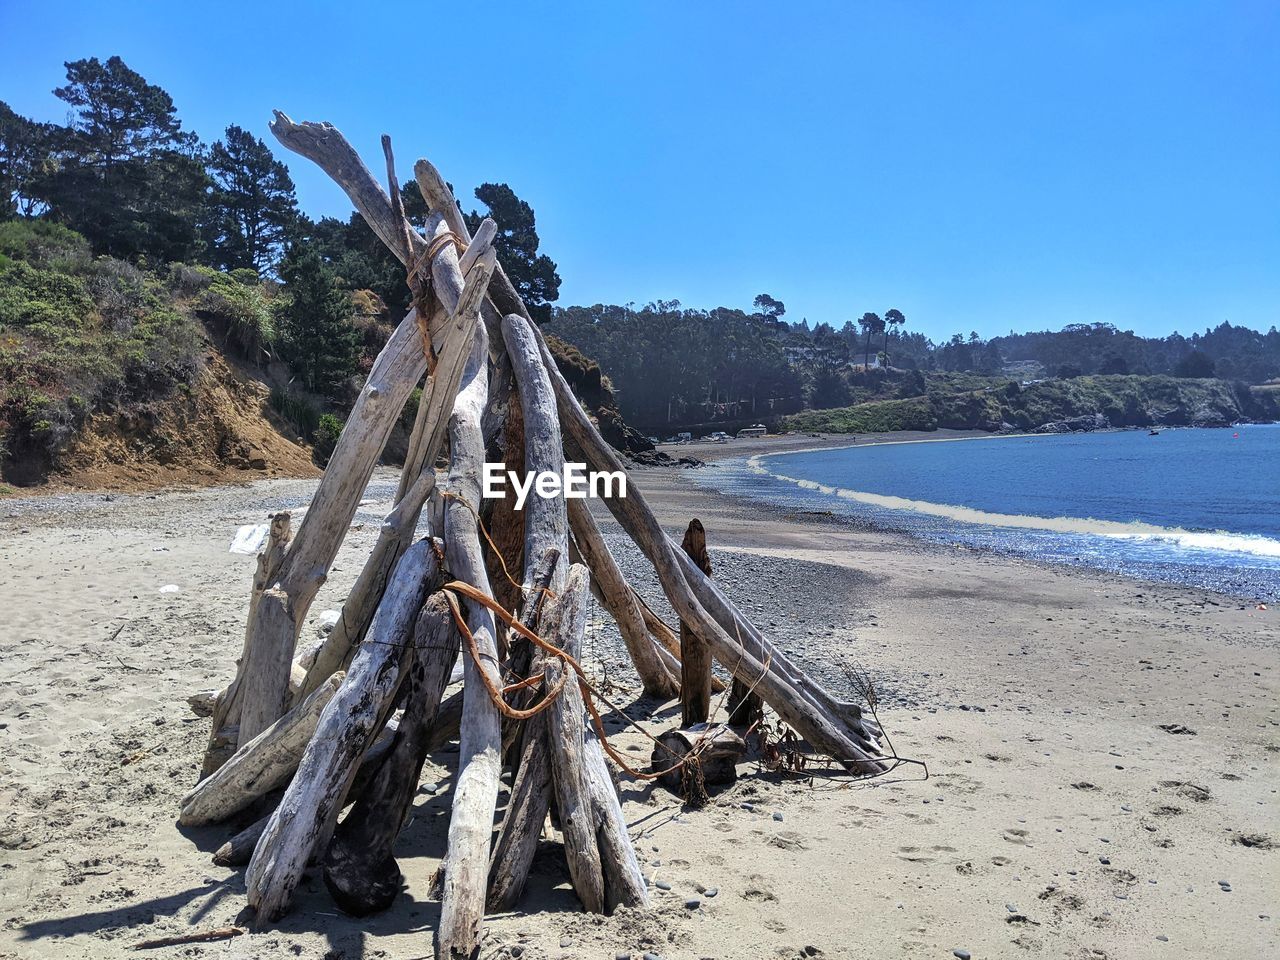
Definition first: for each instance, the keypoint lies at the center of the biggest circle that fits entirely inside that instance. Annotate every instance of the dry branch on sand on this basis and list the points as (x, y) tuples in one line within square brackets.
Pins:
[(352, 724)]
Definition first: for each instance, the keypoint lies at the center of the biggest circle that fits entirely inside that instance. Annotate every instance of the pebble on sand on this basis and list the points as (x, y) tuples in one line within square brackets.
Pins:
[(960, 954)]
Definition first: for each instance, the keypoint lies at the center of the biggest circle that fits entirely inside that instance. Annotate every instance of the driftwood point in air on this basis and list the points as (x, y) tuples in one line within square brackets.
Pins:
[(349, 725)]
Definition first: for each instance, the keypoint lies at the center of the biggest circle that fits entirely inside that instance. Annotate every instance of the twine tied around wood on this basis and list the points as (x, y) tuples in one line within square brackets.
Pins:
[(418, 269)]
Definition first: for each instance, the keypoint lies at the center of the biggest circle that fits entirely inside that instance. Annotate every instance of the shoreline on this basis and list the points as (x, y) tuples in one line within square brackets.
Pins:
[(1060, 818), (955, 525)]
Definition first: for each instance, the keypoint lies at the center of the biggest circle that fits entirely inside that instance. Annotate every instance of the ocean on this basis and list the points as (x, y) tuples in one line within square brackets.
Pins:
[(1189, 506)]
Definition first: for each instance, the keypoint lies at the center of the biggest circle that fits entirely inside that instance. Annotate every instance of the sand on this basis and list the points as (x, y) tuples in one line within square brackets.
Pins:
[(1059, 819)]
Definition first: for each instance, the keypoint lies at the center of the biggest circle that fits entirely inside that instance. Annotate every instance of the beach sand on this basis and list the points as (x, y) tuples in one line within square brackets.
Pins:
[(1060, 817)]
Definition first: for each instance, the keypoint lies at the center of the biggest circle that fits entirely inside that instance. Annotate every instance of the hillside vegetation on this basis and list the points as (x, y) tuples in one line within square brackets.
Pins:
[(104, 365), (1059, 405)]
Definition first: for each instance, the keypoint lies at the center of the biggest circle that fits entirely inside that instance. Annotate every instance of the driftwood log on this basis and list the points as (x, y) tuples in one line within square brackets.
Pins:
[(261, 765), (716, 749), (464, 874), (360, 869), (307, 814), (695, 653), (323, 722)]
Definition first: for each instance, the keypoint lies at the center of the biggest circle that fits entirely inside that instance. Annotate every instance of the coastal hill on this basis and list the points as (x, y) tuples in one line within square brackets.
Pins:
[(1051, 406)]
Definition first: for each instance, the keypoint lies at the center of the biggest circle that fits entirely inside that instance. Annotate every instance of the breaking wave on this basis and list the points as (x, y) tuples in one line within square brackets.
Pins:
[(1239, 543)]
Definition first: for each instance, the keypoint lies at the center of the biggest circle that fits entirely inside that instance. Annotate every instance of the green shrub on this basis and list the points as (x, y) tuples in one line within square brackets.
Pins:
[(325, 438), (243, 312), (77, 336), (44, 244)]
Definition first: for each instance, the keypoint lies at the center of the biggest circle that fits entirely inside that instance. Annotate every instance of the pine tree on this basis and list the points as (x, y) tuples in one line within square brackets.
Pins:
[(24, 150), (531, 273), (254, 207), (128, 177), (320, 342)]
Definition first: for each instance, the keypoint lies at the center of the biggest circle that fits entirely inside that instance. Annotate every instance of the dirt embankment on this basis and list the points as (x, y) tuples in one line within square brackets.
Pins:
[(220, 430)]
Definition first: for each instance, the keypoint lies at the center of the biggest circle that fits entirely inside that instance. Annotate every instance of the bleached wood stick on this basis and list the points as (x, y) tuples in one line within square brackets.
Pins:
[(307, 813), (360, 867), (524, 818), (546, 523), (226, 706), (435, 190), (399, 525), (530, 796), (264, 763), (324, 145), (565, 623), (620, 600), (475, 795), (465, 312), (834, 728), (623, 880)]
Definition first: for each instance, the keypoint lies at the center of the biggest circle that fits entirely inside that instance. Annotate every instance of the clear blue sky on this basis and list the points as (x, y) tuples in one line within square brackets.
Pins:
[(982, 166)]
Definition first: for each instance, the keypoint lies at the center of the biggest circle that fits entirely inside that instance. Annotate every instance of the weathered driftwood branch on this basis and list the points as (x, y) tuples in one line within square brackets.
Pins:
[(466, 866), (397, 529), (276, 619), (360, 869), (833, 728), (695, 653), (226, 705), (564, 624), (435, 190), (546, 523), (308, 812), (623, 881), (264, 763), (530, 795)]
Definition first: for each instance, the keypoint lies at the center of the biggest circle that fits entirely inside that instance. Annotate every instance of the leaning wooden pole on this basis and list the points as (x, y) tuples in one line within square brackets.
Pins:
[(834, 728), (398, 527), (695, 653), (360, 868), (475, 795), (620, 600), (308, 812)]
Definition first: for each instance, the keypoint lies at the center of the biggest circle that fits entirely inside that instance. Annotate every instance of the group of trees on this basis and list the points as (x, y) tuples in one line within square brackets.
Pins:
[(672, 364), (124, 174), (1226, 351)]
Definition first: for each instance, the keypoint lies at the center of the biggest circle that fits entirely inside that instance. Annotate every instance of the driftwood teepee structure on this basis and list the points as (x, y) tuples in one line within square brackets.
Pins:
[(352, 721)]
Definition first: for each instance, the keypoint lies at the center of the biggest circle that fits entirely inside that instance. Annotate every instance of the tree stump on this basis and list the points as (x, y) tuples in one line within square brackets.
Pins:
[(716, 748)]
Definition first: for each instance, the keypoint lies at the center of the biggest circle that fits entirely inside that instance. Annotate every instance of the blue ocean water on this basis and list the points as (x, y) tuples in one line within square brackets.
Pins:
[(1192, 506)]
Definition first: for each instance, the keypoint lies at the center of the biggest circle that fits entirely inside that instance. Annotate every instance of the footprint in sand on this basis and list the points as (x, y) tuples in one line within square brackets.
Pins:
[(1191, 791), (759, 895), (1014, 835)]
